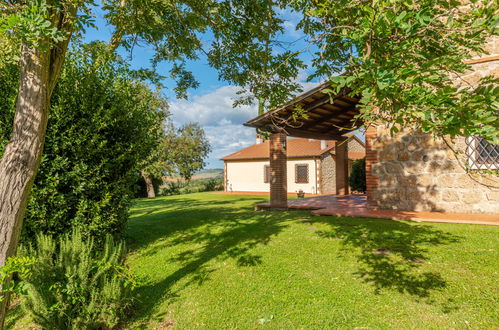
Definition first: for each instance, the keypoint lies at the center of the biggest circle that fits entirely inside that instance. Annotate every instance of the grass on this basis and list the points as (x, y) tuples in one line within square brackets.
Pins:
[(210, 261)]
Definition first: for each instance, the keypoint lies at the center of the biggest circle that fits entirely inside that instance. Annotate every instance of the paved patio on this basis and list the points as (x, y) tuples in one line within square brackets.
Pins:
[(356, 206)]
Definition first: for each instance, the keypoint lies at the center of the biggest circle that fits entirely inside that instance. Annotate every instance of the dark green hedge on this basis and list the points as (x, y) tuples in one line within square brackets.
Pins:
[(102, 125), (357, 177)]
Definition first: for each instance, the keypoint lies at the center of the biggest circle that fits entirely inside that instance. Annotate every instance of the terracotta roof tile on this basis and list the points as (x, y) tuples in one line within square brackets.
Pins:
[(296, 148)]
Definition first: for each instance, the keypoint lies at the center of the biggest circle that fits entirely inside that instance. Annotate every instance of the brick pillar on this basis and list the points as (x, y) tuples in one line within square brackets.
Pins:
[(341, 151), (371, 159), (278, 172)]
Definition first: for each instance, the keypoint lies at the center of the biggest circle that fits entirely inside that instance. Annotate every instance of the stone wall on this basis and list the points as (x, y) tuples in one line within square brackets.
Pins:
[(417, 172), (481, 70), (355, 146), (327, 183), (328, 167), (413, 171)]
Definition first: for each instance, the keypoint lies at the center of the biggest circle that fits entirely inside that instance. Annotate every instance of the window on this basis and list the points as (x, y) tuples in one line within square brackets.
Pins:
[(301, 173), (266, 174), (481, 154)]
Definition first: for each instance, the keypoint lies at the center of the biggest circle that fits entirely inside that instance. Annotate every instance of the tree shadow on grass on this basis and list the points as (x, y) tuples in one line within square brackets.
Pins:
[(160, 218), (144, 206), (215, 233), (391, 253)]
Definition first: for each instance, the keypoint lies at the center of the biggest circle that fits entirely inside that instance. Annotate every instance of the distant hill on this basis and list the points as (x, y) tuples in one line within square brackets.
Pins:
[(203, 174), (209, 173)]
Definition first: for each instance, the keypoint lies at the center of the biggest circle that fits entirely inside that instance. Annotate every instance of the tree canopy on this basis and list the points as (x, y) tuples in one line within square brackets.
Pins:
[(405, 59), (402, 57), (185, 151), (248, 53), (180, 152)]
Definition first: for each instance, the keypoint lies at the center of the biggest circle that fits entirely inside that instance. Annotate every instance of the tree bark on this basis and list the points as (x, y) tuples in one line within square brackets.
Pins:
[(22, 155), (149, 185), (39, 71)]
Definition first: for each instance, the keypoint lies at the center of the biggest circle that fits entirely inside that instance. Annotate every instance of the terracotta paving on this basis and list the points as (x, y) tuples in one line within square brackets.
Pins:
[(256, 193), (356, 206)]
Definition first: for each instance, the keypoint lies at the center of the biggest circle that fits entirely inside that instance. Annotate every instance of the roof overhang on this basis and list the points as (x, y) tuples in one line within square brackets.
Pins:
[(267, 158), (325, 117)]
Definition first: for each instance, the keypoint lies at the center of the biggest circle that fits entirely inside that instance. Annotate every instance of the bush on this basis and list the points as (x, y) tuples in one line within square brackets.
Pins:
[(102, 124), (214, 184), (71, 285), (9, 81), (194, 186), (172, 188), (357, 179)]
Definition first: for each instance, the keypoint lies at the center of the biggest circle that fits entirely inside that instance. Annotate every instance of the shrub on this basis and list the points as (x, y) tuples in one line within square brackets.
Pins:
[(9, 275), (214, 184), (9, 80), (357, 179), (194, 186), (102, 124), (172, 188), (71, 285)]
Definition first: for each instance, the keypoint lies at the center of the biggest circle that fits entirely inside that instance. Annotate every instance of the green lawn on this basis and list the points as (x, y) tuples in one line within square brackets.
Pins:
[(209, 261)]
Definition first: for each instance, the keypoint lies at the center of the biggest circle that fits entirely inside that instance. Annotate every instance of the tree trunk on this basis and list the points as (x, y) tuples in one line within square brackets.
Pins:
[(149, 185), (39, 71)]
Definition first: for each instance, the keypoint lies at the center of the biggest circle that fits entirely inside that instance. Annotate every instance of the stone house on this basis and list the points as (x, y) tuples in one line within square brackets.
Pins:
[(310, 166), (409, 171), (414, 171)]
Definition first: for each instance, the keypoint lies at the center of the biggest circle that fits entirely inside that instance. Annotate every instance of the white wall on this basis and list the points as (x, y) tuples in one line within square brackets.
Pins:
[(248, 176)]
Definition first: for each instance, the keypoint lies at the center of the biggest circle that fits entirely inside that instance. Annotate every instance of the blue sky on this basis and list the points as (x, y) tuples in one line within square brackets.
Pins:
[(211, 104)]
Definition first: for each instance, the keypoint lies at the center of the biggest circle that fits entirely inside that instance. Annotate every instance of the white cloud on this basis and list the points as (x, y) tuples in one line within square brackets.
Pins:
[(291, 31), (222, 123), (228, 139), (212, 109)]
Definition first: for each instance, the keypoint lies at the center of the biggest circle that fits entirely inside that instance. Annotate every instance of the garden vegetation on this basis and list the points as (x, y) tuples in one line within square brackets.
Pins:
[(70, 283), (103, 123), (357, 178), (77, 115)]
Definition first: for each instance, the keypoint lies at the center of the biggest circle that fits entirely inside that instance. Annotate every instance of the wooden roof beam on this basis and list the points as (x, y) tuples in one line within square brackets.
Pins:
[(314, 104), (297, 132)]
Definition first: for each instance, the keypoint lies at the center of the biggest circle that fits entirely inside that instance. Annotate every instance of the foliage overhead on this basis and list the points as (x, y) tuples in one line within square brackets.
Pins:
[(247, 52), (171, 27), (399, 56), (403, 57)]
